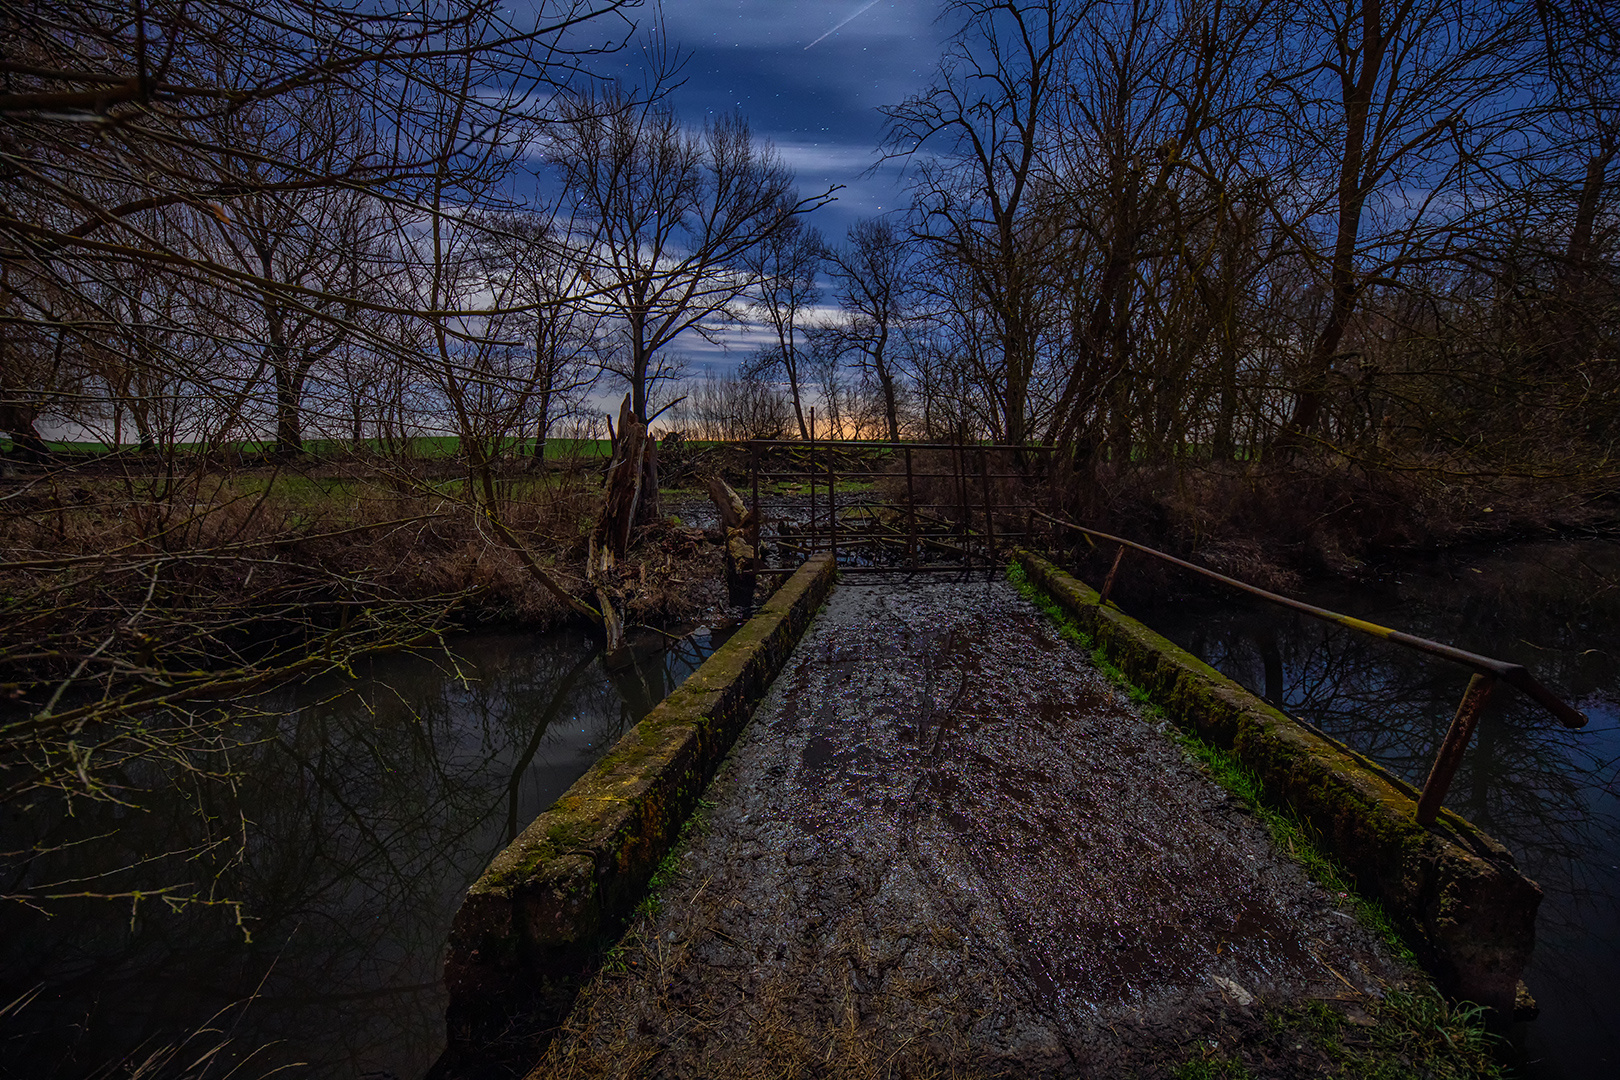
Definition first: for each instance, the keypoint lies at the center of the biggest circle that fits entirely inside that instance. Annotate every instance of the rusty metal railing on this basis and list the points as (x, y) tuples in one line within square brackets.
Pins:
[(979, 519), (1487, 671)]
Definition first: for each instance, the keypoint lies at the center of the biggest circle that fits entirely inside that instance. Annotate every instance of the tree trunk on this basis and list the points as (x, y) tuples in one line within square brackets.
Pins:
[(638, 365), (1224, 448), (1352, 199), (1574, 314), (792, 367), (542, 424), (627, 475), (891, 411), (18, 421)]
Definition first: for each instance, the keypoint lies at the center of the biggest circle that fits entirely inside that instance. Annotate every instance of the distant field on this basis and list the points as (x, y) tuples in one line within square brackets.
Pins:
[(427, 446)]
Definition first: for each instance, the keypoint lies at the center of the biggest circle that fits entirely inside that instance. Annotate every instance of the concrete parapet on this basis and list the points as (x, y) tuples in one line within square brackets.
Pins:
[(538, 921), (1462, 904)]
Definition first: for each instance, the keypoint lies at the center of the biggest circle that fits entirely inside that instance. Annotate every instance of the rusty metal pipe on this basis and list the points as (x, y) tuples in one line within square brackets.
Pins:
[(1513, 674), (810, 468), (832, 509), (989, 509), (1113, 572), (911, 508), (1452, 747)]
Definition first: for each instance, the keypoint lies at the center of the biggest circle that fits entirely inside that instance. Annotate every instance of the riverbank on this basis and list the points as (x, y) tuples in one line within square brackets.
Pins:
[(1316, 519), (1546, 792), (199, 561), (156, 572)]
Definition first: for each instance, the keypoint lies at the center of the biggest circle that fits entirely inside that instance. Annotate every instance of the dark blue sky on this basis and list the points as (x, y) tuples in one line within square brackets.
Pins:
[(817, 104), (812, 91)]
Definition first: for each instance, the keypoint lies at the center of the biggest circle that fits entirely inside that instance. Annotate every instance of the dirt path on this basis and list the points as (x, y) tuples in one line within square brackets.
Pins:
[(947, 845)]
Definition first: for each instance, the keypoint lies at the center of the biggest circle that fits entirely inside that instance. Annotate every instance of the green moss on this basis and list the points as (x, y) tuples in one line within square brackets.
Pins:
[(1406, 1036), (694, 827), (566, 832), (1291, 834), (616, 959), (1216, 1068)]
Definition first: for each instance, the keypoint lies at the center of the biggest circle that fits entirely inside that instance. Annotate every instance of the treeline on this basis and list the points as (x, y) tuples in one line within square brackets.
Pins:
[(227, 223), (1144, 230), (1157, 229)]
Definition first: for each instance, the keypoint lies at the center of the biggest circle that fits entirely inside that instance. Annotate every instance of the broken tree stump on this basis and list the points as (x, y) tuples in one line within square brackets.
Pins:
[(741, 531)]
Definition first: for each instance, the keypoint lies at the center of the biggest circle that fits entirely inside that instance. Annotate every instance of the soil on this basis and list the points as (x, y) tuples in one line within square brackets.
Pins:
[(948, 845)]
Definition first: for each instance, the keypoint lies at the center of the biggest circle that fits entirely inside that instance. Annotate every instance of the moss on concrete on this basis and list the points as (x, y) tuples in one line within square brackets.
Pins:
[(548, 906), (1454, 892)]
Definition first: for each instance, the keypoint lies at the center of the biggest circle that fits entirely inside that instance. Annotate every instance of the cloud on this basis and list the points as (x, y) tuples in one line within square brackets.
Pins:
[(826, 158)]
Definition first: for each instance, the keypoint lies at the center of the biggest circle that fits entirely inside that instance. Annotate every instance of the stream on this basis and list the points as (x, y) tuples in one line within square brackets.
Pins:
[(358, 811), (356, 814), (1550, 794)]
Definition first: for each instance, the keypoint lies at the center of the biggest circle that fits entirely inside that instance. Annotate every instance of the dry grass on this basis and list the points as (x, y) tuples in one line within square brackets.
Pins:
[(1273, 523), (191, 570), (647, 1015)]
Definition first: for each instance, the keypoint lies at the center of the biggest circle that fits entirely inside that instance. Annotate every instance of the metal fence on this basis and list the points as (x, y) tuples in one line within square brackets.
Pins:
[(1487, 671), (881, 507)]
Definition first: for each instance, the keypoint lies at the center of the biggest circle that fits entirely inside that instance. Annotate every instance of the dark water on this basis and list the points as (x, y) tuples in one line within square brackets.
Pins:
[(358, 814), (1550, 794)]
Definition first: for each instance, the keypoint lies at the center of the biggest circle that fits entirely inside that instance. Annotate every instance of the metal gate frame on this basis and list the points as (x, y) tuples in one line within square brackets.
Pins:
[(969, 530)]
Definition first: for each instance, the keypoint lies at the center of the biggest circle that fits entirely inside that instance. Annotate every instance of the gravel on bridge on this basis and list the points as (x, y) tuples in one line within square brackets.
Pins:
[(948, 845)]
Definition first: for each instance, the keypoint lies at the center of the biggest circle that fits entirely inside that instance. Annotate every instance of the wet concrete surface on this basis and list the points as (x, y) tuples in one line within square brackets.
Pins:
[(947, 844)]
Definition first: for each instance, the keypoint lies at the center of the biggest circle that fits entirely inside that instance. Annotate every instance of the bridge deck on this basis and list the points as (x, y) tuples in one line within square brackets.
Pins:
[(947, 843)]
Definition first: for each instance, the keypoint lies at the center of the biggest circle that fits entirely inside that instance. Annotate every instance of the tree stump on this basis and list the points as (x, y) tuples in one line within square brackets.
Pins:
[(741, 531)]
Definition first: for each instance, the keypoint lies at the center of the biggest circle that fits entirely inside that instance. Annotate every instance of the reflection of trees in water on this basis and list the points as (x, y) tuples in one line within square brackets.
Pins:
[(1551, 794), (1545, 791), (365, 810)]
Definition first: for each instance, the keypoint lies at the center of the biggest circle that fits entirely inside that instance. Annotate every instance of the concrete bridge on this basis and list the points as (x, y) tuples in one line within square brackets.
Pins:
[(956, 837)]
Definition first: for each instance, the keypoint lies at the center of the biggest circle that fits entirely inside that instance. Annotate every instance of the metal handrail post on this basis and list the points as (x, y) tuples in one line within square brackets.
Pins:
[(1113, 572), (1452, 747), (959, 462), (810, 466), (911, 512), (989, 511), (832, 508), (753, 463)]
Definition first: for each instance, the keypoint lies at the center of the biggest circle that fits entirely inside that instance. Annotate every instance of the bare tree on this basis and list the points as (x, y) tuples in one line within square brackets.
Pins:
[(870, 273), (786, 267), (669, 218), (1388, 106), (1149, 145), (987, 117), (1580, 73), (176, 181)]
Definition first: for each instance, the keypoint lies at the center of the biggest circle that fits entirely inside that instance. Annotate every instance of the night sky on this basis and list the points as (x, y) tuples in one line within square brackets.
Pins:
[(811, 90), (816, 100)]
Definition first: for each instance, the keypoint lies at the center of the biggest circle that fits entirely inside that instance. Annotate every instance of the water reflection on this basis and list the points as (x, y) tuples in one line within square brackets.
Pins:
[(1550, 794), (357, 815)]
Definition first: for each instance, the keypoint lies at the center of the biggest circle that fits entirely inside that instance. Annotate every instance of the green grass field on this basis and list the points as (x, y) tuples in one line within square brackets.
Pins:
[(425, 447)]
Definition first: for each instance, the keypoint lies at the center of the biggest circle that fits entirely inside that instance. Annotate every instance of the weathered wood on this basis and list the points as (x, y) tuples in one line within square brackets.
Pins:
[(650, 511), (740, 527), (624, 484)]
